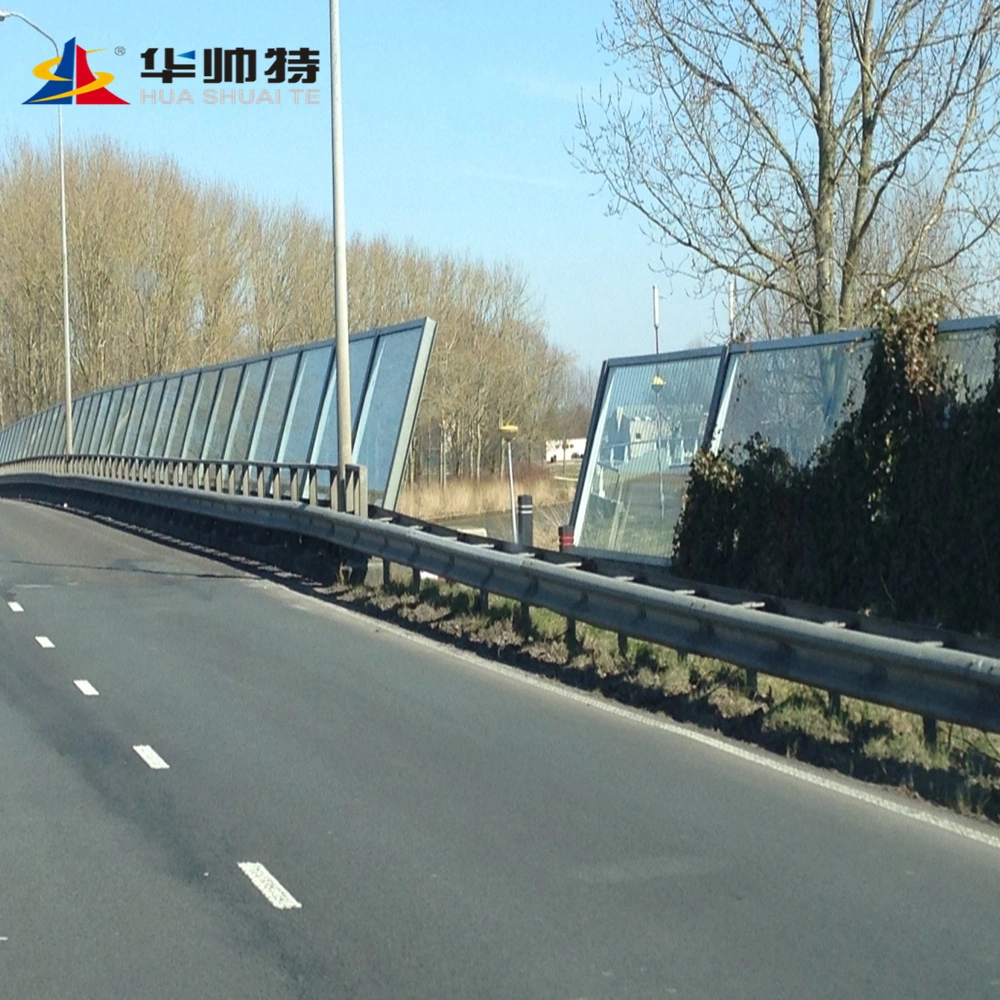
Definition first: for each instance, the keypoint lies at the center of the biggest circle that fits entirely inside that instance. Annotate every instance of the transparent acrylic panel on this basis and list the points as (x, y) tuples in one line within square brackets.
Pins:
[(326, 446), (36, 431), (198, 424), (135, 418), (264, 447), (19, 435), (653, 419), (380, 421), (972, 352), (245, 414), (793, 396), (304, 407), (182, 416), (107, 435), (93, 441), (149, 418), (222, 412), (24, 439), (51, 432), (86, 430), (60, 439), (76, 410), (159, 439), (122, 423), (80, 426), (43, 431), (58, 428)]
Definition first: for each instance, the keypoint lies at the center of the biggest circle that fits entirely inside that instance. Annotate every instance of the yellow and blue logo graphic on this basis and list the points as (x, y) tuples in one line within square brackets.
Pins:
[(70, 80)]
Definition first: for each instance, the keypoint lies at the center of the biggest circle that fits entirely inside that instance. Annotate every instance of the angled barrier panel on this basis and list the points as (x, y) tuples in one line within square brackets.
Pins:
[(653, 412), (277, 407)]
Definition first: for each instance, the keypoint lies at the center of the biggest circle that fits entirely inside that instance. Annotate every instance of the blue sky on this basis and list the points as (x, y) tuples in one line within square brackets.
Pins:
[(457, 117)]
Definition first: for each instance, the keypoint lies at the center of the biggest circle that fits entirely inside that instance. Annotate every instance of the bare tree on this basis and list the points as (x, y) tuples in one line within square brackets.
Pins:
[(773, 141)]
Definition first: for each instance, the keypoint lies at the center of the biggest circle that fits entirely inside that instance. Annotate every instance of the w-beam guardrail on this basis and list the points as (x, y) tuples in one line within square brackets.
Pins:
[(907, 667)]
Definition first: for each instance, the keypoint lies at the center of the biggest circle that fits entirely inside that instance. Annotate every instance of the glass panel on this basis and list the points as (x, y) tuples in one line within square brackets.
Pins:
[(360, 358), (264, 447), (80, 426), (36, 426), (301, 422), (43, 430), (149, 418), (135, 418), (204, 397), (121, 424), (94, 439), (222, 412), (163, 418), (75, 411), (182, 414), (794, 396), (51, 431), (16, 451), (245, 415), (381, 419), (972, 351), (60, 438), (107, 434), (653, 419), (85, 432)]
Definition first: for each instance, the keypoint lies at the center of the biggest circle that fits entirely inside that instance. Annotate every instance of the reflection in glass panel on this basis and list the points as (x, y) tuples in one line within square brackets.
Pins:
[(972, 352), (149, 418), (121, 424), (135, 418), (245, 413), (301, 422), (379, 424), (225, 400), (104, 448), (653, 419), (182, 415), (793, 396), (94, 438), (163, 418), (264, 446), (198, 424)]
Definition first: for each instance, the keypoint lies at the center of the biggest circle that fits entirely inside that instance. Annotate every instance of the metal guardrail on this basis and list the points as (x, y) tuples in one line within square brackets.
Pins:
[(915, 673)]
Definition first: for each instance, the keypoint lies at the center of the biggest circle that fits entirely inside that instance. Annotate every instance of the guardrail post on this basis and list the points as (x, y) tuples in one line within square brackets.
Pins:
[(623, 644), (386, 573), (751, 681), (834, 706), (416, 579), (565, 537), (930, 732), (294, 484), (483, 601), (572, 639), (523, 619)]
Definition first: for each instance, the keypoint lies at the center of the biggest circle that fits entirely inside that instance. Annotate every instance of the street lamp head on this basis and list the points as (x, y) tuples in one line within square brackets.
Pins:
[(508, 431)]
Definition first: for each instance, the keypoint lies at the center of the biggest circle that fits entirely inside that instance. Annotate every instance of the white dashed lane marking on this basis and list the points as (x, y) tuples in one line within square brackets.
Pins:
[(86, 688), (151, 757), (270, 888), (14, 606), (45, 642)]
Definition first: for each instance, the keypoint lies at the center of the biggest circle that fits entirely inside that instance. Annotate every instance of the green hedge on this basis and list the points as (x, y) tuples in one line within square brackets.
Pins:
[(898, 513)]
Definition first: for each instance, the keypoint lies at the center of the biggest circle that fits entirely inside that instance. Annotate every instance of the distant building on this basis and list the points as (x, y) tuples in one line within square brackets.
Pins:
[(565, 450)]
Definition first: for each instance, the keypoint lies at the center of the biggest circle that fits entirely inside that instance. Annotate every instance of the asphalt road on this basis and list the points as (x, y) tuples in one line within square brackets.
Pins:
[(431, 826)]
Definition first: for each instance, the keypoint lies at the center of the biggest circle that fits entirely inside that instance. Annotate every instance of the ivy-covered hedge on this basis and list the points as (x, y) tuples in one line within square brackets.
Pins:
[(898, 513)]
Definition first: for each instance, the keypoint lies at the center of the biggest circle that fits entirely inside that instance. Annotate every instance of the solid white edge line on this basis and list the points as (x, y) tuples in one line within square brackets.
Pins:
[(45, 642), (929, 815), (86, 688), (14, 606), (151, 757), (269, 887)]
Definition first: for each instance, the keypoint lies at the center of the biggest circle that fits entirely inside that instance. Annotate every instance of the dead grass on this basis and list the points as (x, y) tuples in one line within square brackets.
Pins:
[(467, 496)]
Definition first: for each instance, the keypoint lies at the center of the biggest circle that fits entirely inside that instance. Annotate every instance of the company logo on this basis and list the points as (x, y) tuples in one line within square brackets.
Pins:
[(70, 80)]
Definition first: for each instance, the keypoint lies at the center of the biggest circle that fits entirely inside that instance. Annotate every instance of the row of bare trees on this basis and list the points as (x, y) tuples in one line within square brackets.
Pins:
[(167, 273)]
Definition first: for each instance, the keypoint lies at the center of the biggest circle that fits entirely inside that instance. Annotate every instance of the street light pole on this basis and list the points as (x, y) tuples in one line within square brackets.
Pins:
[(340, 327), (65, 248)]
